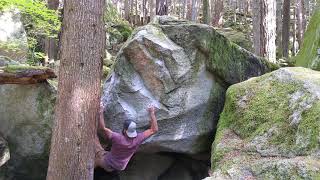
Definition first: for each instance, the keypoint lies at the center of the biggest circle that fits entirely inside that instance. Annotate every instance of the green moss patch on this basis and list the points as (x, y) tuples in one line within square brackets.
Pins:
[(278, 115), (19, 68)]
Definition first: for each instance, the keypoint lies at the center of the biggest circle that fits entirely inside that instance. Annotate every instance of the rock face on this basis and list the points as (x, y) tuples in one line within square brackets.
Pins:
[(269, 128), (26, 121), (183, 69), (4, 151), (159, 167), (13, 38)]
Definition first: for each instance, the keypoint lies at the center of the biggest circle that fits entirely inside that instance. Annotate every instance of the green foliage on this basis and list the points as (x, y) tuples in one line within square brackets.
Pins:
[(308, 56), (117, 27), (37, 18), (39, 22)]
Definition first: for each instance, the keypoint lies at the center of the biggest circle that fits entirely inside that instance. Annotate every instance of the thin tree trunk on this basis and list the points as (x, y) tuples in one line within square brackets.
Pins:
[(294, 34), (83, 44), (162, 7), (285, 28), (279, 21), (51, 44), (131, 12), (126, 9), (136, 22), (264, 28), (189, 10), (206, 14), (193, 10), (300, 13), (152, 9)]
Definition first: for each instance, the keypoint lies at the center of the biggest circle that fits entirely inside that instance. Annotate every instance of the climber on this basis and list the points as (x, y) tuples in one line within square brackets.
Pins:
[(124, 144)]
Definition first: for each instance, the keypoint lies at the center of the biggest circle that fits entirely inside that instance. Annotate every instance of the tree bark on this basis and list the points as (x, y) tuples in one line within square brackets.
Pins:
[(285, 28), (162, 7), (279, 21), (206, 12), (51, 44), (82, 52), (294, 35), (264, 28), (152, 9), (194, 10), (126, 9), (300, 13), (218, 13)]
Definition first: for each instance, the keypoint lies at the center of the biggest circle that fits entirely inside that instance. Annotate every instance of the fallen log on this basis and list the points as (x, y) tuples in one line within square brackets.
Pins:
[(22, 74)]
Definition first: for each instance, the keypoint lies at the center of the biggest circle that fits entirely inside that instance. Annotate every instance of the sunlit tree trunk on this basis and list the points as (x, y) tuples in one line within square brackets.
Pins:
[(264, 28), (76, 114), (218, 13), (301, 21)]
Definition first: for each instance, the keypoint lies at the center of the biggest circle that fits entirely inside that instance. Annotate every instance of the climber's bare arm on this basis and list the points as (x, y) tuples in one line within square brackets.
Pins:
[(101, 125), (153, 123)]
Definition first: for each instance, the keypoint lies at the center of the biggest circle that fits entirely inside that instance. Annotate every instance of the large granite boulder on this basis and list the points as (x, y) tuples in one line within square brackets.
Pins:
[(270, 128), (183, 69), (4, 151), (25, 122), (13, 37)]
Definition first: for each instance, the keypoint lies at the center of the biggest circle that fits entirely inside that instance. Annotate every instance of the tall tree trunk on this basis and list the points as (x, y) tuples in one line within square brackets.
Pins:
[(189, 10), (206, 14), (294, 34), (51, 44), (162, 7), (152, 9), (300, 13), (218, 13), (285, 28), (126, 9), (82, 51), (194, 10), (264, 28), (136, 21), (279, 26)]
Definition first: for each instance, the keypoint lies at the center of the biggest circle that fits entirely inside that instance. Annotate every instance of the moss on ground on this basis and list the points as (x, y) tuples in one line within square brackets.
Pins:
[(19, 68), (308, 56)]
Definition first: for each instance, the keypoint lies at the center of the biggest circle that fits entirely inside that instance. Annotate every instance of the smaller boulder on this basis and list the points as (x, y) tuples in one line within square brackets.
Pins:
[(269, 128)]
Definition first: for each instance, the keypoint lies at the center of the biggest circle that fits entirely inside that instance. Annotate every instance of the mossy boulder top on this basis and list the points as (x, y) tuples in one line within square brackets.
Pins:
[(183, 69), (270, 128)]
